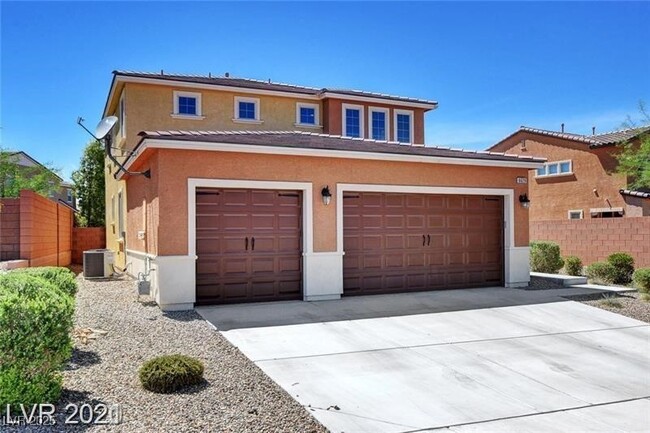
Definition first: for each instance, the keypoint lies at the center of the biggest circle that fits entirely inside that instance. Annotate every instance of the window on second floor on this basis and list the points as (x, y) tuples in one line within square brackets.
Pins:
[(352, 121), (378, 123), (576, 214), (247, 109), (403, 126), (187, 105), (307, 114), (556, 168), (68, 195), (122, 118)]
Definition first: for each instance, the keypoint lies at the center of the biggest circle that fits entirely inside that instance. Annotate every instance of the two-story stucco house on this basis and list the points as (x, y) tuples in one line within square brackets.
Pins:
[(260, 191), (578, 180)]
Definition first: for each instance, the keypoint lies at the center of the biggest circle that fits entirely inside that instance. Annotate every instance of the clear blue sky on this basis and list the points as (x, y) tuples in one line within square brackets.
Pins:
[(491, 66)]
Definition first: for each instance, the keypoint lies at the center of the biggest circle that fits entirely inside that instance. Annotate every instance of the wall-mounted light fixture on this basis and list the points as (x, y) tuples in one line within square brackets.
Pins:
[(524, 201), (326, 194)]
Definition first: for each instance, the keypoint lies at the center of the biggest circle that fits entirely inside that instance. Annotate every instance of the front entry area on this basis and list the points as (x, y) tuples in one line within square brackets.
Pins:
[(398, 242), (248, 244)]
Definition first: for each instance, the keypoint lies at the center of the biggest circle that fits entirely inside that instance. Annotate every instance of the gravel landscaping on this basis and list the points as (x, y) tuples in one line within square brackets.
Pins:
[(628, 304), (236, 396)]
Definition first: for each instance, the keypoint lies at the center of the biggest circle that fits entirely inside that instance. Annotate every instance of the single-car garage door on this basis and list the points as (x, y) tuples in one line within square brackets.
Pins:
[(416, 242), (249, 245)]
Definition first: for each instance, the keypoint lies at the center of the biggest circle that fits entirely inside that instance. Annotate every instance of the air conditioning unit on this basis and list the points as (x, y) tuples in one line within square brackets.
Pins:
[(98, 263)]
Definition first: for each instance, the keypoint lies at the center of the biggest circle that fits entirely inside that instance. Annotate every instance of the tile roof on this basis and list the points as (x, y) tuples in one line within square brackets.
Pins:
[(313, 140), (596, 140), (267, 85), (642, 194)]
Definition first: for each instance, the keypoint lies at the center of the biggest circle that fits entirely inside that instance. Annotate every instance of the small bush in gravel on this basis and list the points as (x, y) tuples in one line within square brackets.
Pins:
[(573, 265), (642, 281), (545, 257), (63, 278), (36, 320), (601, 272), (169, 373), (623, 267)]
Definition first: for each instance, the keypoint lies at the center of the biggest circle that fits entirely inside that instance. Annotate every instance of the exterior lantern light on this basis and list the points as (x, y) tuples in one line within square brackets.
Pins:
[(327, 195), (524, 200)]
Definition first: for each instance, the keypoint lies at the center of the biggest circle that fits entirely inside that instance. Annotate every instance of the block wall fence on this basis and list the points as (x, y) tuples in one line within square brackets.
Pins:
[(594, 239), (86, 238)]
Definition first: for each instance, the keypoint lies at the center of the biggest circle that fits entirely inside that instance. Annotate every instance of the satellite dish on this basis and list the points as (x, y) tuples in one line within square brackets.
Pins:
[(104, 126)]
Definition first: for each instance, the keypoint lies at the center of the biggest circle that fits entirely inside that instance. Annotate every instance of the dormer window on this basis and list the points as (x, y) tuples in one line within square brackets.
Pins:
[(307, 114), (352, 121), (187, 105), (247, 110), (403, 126)]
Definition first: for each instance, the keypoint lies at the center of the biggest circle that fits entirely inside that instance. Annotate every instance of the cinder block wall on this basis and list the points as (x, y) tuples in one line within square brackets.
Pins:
[(9, 229), (86, 238), (594, 239)]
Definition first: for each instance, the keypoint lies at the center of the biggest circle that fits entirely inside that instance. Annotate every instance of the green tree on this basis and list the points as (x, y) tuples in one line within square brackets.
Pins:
[(634, 160), (41, 178), (89, 186)]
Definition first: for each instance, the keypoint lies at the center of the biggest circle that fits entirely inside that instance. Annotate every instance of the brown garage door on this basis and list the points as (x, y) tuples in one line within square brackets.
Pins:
[(415, 242), (249, 245)]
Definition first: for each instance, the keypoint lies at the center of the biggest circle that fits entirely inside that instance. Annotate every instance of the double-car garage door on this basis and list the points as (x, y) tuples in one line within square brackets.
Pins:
[(249, 243)]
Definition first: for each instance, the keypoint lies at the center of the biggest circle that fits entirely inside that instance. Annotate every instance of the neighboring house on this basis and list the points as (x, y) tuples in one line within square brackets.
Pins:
[(579, 179), (262, 191), (65, 193)]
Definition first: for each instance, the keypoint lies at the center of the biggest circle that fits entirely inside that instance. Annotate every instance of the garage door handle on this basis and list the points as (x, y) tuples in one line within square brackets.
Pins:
[(424, 240), (252, 244), (246, 243), (428, 240)]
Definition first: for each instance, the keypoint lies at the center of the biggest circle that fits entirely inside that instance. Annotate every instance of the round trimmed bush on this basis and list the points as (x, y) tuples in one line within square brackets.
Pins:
[(63, 278), (623, 264), (573, 266), (601, 272), (642, 280), (545, 257), (169, 373)]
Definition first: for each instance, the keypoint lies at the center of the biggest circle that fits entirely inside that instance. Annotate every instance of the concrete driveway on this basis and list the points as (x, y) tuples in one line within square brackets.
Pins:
[(480, 360)]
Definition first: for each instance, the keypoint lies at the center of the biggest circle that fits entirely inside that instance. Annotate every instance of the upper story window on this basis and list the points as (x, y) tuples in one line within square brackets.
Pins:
[(378, 121), (576, 214), (122, 117), (403, 126), (68, 195), (352, 121), (187, 105), (306, 114), (556, 168), (247, 110)]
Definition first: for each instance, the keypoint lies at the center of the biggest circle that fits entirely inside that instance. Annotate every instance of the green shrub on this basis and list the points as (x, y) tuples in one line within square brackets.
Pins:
[(36, 320), (601, 272), (642, 280), (63, 278), (169, 373), (624, 267), (545, 257), (573, 265)]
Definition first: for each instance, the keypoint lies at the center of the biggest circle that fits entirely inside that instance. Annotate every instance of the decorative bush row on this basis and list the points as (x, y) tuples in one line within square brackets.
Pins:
[(545, 257), (618, 269), (642, 281), (573, 266), (169, 373), (36, 320)]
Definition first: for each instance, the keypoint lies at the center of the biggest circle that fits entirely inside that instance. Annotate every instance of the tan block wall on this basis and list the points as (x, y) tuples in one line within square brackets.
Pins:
[(552, 198), (175, 166), (45, 231), (594, 239)]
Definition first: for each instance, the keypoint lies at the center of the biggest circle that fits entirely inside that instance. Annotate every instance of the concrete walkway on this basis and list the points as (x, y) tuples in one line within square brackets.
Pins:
[(463, 360)]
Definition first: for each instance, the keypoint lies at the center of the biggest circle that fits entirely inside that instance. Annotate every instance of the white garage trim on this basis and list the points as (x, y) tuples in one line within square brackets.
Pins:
[(516, 272)]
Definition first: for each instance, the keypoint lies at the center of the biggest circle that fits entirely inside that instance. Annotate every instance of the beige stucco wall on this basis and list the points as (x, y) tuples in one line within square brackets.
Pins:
[(171, 169), (552, 197)]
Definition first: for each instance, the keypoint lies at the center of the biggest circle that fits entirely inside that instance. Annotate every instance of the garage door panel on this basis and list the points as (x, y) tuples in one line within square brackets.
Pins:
[(229, 269), (446, 242)]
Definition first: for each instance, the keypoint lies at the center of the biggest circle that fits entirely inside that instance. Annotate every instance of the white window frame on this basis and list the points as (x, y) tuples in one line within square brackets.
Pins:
[(386, 112), (122, 114), (411, 124), (558, 163), (197, 96), (580, 212), (344, 126), (121, 229), (316, 108), (255, 101)]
